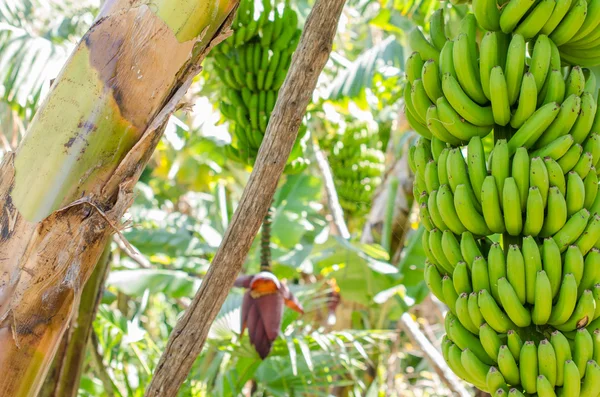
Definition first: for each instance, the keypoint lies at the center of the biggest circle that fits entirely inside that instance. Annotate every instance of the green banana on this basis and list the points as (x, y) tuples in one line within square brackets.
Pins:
[(583, 125), (513, 220), (570, 158), (562, 349), (487, 14), (489, 57), (547, 362), (467, 71), (431, 80), (592, 20), (508, 366), (474, 366), (561, 9), (456, 125), (567, 299), (513, 71), (467, 212), (582, 315), (554, 89), (500, 164), (555, 175), (514, 342), (512, 14), (533, 264), (596, 338), (445, 203), (419, 99), (480, 275), (528, 366), (495, 381), (572, 380), (566, 118), (583, 350), (451, 248), (570, 24), (431, 176), (520, 173), (418, 43), (469, 248), (527, 100), (534, 218), (500, 100), (584, 165), (492, 314), (575, 82), (446, 59), (436, 127), (434, 213), (540, 60), (552, 264), (555, 149), (571, 231), (437, 29), (575, 193), (476, 165), (533, 128), (490, 340), (592, 145), (454, 362), (544, 387), (515, 270), (490, 203), (589, 238), (534, 22), (574, 263), (464, 339), (474, 311), (433, 279), (538, 177), (591, 271), (450, 295), (435, 245), (464, 105), (462, 312), (542, 307), (496, 268), (462, 280), (512, 305), (591, 382), (442, 166)]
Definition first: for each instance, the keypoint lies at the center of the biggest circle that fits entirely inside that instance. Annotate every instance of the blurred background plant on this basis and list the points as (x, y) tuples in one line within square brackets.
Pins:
[(354, 288)]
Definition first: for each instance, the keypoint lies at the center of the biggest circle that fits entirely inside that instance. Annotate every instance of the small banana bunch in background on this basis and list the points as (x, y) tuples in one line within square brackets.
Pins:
[(252, 65), (357, 163), (507, 184)]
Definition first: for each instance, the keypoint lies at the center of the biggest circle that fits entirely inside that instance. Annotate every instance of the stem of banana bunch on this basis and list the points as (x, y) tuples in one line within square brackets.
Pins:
[(265, 241), (502, 132)]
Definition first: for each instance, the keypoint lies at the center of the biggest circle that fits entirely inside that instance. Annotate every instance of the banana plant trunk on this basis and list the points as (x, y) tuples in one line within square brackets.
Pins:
[(65, 189)]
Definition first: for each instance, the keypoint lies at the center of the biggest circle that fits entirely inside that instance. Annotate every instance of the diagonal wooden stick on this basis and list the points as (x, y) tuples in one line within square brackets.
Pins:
[(189, 335)]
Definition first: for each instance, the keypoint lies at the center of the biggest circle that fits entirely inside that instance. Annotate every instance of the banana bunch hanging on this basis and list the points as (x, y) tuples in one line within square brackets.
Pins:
[(252, 65), (507, 183), (571, 24), (357, 164)]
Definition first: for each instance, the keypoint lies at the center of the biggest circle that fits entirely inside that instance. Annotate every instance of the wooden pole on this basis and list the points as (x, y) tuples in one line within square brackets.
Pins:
[(189, 335)]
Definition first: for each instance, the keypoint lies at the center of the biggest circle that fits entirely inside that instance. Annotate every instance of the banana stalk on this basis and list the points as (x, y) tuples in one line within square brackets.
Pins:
[(64, 191)]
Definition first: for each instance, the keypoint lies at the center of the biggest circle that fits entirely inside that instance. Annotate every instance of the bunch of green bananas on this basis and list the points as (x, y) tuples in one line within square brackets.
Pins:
[(460, 89), (252, 65), (511, 219), (357, 164), (571, 24), (544, 193), (524, 317)]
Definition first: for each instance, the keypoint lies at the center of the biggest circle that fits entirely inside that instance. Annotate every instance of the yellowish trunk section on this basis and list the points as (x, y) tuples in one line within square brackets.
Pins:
[(64, 192)]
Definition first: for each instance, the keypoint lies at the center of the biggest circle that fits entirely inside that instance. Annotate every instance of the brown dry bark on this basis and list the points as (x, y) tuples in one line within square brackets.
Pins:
[(188, 337), (65, 373), (45, 263)]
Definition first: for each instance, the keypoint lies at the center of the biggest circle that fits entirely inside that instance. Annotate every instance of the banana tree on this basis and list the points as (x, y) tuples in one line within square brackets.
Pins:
[(64, 191)]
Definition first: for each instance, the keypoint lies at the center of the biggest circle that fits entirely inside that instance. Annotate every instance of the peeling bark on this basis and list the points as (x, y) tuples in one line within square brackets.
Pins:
[(64, 192)]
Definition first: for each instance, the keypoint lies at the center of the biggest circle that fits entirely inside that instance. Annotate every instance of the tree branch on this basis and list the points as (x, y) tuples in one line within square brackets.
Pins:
[(189, 335)]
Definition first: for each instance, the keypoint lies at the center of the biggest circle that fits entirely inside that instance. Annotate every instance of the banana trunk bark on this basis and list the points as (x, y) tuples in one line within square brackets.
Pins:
[(65, 190)]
